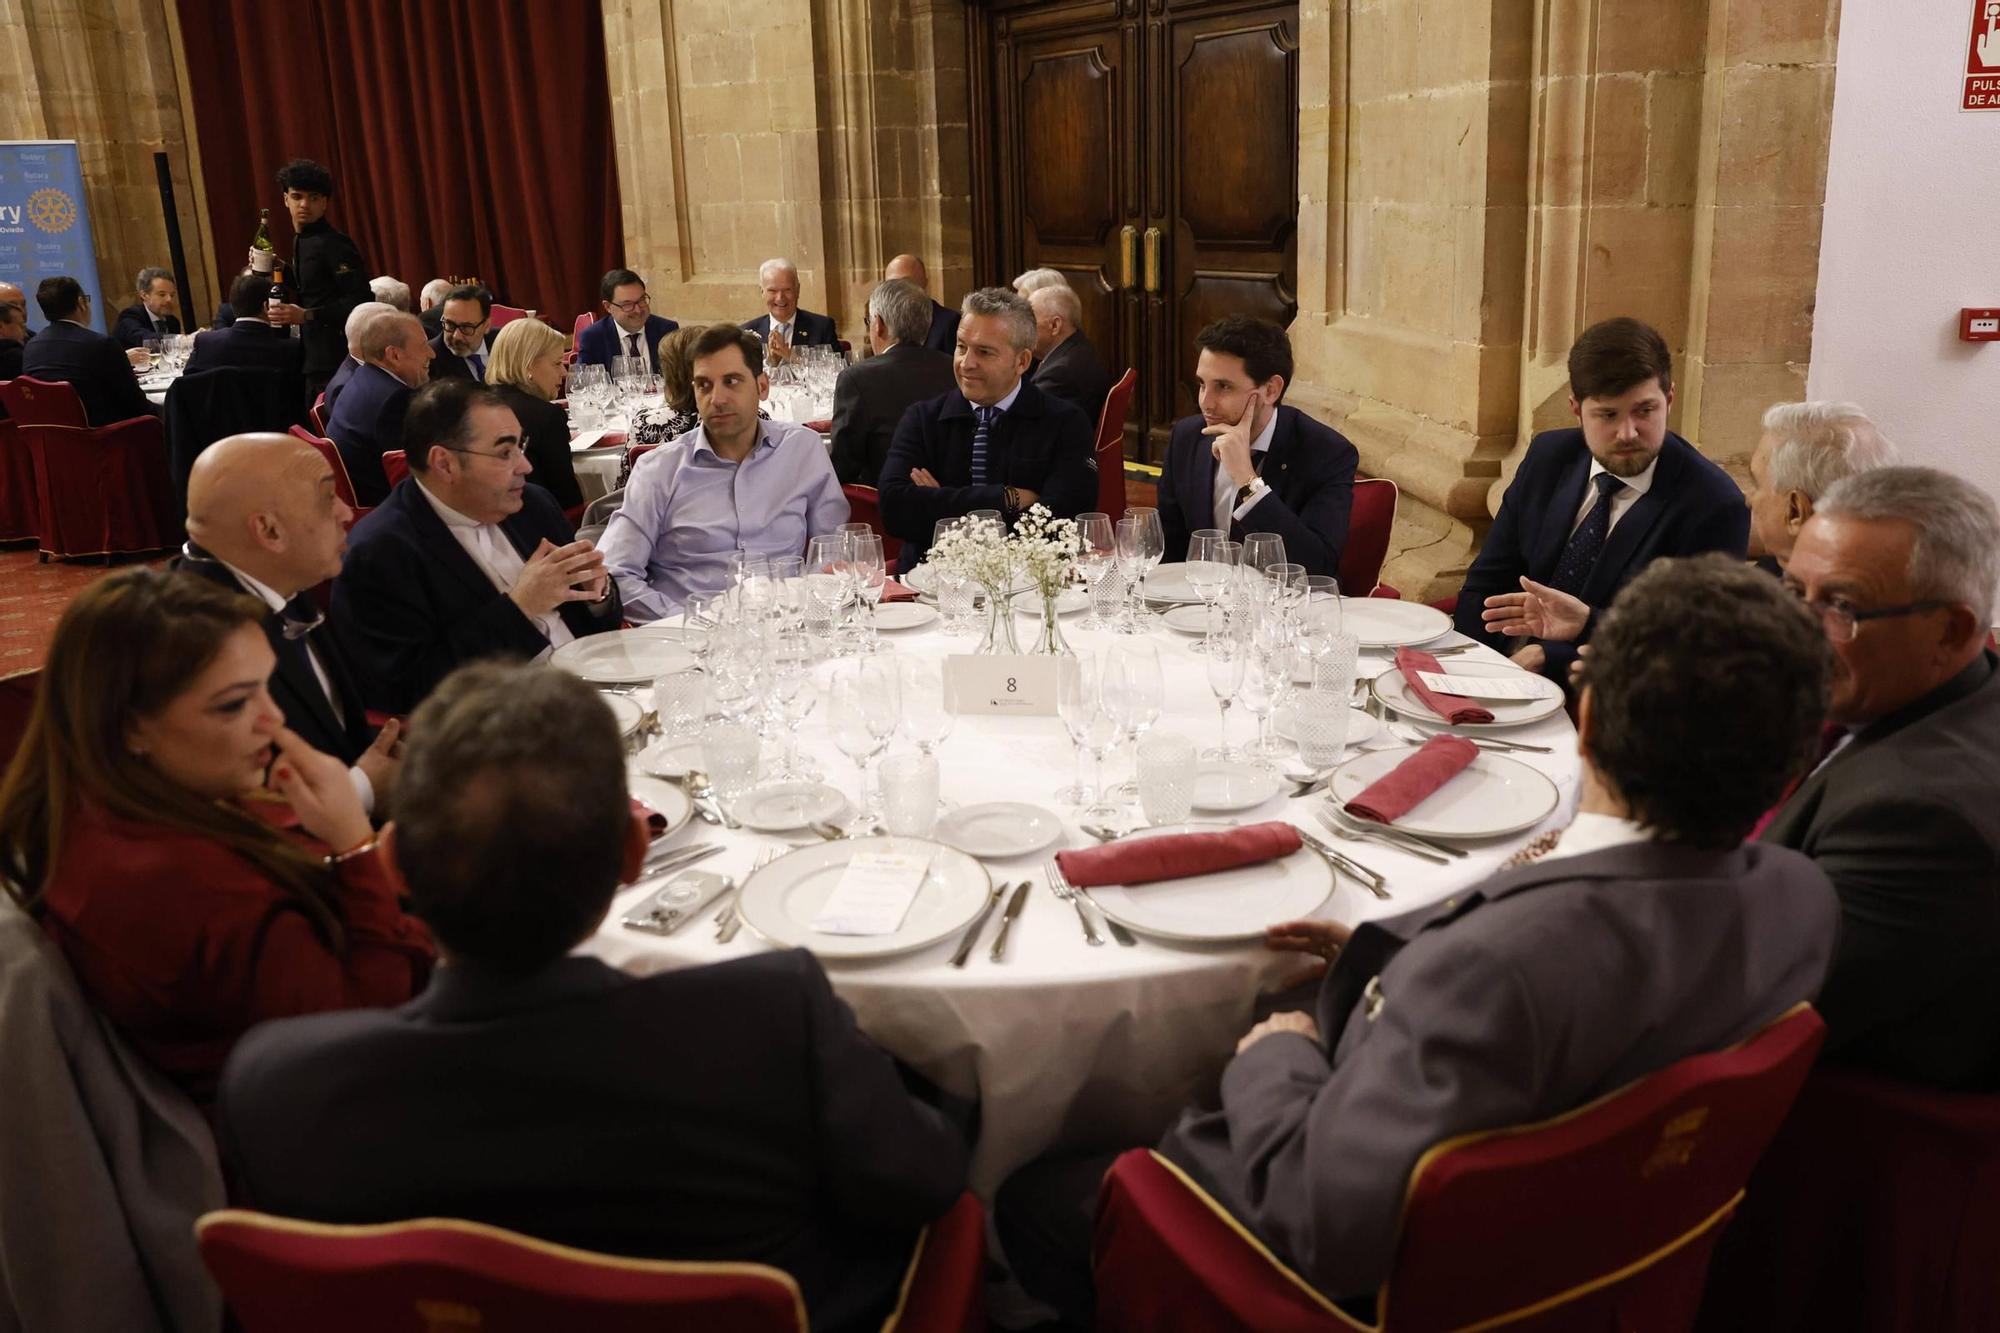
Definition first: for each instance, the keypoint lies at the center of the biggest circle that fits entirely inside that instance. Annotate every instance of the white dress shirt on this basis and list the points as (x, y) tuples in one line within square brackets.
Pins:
[(266, 594), (1622, 499), (1226, 508), (1593, 833), (498, 560)]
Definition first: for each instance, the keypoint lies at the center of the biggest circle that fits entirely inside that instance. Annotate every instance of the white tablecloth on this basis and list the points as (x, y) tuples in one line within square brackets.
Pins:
[(1068, 1045)]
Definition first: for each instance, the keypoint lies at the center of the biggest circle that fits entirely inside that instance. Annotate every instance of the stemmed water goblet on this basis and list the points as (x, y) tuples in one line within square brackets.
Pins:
[(1226, 653), (1092, 726), (1096, 564), (865, 706)]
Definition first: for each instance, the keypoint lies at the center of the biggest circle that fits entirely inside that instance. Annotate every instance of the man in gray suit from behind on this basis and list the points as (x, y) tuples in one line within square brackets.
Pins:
[(1649, 931)]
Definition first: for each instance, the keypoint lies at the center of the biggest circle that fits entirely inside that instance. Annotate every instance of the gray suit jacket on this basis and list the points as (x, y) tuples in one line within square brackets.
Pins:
[(1538, 990), (1902, 820)]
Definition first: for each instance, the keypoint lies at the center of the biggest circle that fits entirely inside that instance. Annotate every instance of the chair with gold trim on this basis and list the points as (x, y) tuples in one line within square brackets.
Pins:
[(1598, 1220), (439, 1275), (1370, 521), (102, 491), (395, 466), (1109, 446), (864, 505), (343, 485)]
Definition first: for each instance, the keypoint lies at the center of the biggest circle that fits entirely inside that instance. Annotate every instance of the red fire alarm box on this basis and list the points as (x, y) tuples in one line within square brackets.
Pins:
[(1979, 326)]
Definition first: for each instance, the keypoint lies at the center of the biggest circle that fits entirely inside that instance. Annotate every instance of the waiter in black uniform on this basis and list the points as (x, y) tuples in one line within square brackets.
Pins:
[(326, 276)]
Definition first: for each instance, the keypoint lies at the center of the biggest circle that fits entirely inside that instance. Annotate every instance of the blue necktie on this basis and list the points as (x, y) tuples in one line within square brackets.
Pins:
[(478, 364), (1587, 542), (979, 440)]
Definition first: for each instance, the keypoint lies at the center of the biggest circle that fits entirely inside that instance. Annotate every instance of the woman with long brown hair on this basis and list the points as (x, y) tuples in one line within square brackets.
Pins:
[(200, 866)]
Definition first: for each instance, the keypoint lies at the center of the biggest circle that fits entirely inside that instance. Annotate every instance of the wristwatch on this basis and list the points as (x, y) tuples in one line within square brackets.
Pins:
[(1243, 493)]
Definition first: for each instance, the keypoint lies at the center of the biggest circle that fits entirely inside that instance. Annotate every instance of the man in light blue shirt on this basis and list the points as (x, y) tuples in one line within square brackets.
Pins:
[(733, 484)]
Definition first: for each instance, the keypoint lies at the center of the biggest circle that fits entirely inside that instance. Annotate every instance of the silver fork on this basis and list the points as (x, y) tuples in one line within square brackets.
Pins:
[(727, 921), (1126, 939), (1061, 888)]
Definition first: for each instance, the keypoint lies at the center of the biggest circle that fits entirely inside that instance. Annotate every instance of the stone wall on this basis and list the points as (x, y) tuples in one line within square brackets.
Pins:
[(105, 73), (832, 132)]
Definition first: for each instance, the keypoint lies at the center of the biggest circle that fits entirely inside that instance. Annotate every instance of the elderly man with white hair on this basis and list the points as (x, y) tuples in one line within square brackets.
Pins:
[(1067, 365), (391, 291), (369, 419), (360, 316), (783, 325), (1900, 564)]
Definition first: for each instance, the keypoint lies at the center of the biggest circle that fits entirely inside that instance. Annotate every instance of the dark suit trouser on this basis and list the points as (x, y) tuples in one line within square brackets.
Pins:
[(1045, 1215)]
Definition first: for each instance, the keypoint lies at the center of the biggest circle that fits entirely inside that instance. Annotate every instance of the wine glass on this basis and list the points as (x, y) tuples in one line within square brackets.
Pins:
[(1225, 673), (927, 703), (1132, 567), (864, 706), (1097, 557), (1152, 543), (1092, 727), (867, 568), (792, 697), (1138, 694), (954, 591), (1261, 550), (1271, 661), (826, 578), (1211, 564)]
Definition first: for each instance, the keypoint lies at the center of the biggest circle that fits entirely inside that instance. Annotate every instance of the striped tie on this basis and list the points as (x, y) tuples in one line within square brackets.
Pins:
[(979, 432)]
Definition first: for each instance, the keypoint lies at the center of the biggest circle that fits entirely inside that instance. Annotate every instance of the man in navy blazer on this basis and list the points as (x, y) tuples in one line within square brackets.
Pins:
[(1036, 449), (942, 335), (732, 1112), (783, 325), (368, 419), (467, 560), (1250, 464), (157, 313), (632, 329), (248, 343), (69, 350), (464, 339), (1596, 503)]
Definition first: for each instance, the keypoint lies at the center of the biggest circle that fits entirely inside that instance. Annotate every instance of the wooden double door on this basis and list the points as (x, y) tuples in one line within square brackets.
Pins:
[(1148, 150)]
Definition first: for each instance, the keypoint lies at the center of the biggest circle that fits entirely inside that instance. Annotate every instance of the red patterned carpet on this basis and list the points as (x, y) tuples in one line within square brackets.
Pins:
[(32, 598)]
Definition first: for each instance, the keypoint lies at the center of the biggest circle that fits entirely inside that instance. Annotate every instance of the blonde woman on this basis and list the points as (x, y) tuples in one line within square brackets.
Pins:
[(526, 366)]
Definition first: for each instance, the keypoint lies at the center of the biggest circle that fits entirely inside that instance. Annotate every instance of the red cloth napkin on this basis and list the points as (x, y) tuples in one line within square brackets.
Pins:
[(1404, 787), (821, 426), (1177, 855), (892, 591), (1453, 708), (655, 821)]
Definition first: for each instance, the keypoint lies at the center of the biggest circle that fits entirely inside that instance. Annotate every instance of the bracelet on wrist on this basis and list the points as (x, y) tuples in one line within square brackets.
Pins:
[(361, 848)]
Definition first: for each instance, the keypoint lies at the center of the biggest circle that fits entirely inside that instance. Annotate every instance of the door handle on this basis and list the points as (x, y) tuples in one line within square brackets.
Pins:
[(1152, 259), (1128, 257)]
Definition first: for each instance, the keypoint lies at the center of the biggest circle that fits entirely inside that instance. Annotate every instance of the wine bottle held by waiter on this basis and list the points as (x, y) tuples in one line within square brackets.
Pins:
[(263, 257), (280, 297)]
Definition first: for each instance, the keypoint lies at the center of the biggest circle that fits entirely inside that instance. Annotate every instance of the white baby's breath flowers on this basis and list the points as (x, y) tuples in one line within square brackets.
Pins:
[(1042, 548)]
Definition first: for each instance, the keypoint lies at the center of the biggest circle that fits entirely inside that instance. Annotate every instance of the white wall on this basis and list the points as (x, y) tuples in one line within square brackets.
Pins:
[(1912, 233)]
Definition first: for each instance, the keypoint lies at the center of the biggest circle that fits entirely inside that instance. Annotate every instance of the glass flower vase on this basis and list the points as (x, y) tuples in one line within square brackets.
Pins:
[(1051, 640), (999, 637)]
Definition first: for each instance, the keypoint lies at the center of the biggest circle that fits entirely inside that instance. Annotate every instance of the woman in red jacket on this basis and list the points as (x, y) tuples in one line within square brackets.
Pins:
[(200, 866)]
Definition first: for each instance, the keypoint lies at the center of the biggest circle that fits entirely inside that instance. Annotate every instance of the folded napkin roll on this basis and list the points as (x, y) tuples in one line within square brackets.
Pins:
[(1404, 787), (1453, 708), (1178, 855), (892, 591)]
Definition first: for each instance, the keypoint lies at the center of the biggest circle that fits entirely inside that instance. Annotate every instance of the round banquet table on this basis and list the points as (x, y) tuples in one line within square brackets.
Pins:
[(1068, 1045)]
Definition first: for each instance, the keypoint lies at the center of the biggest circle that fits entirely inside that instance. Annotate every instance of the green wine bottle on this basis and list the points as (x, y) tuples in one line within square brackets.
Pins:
[(262, 256)]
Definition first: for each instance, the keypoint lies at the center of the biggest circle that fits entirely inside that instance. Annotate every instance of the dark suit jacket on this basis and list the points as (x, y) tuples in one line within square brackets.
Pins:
[(1040, 443), (368, 420), (328, 277), (547, 429), (1902, 820), (728, 1112), (10, 361), (247, 344), (411, 604), (135, 325), (1691, 507), (871, 396), (1309, 468), (432, 320), (1072, 371), (943, 335), (596, 345), (447, 364), (345, 734), (93, 363), (808, 329), (348, 366), (1576, 975)]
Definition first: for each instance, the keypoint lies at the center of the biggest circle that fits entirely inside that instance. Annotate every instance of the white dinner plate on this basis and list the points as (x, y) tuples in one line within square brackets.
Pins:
[(622, 659), (1168, 583), (999, 829), (922, 579), (1380, 622), (685, 635), (1227, 905), (1233, 785), (779, 901), (1361, 727), (904, 615), (781, 806), (1187, 619), (676, 756), (1068, 602), (664, 799), (1394, 691), (1490, 796), (631, 716)]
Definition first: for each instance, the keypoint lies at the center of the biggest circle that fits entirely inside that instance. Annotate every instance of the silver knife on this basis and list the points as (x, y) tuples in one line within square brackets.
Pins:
[(659, 855), (964, 950), (674, 864), (1014, 906), (1380, 833), (1371, 880)]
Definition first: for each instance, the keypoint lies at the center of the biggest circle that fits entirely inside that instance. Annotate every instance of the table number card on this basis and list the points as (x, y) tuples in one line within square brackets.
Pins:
[(1019, 685)]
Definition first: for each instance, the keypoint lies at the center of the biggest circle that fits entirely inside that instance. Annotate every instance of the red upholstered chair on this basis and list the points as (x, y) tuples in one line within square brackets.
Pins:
[(34, 402), (104, 491), (319, 413), (20, 509), (864, 505), (395, 466), (583, 321), (343, 485), (1877, 1208), (1111, 446), (1596, 1220), (1370, 521), (282, 1276), (503, 315)]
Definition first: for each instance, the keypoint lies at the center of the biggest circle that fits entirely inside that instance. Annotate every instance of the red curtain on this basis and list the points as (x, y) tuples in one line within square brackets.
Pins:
[(464, 138)]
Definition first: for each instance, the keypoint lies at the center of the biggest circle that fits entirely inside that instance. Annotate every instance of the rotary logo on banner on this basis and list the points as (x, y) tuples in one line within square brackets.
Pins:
[(45, 223)]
